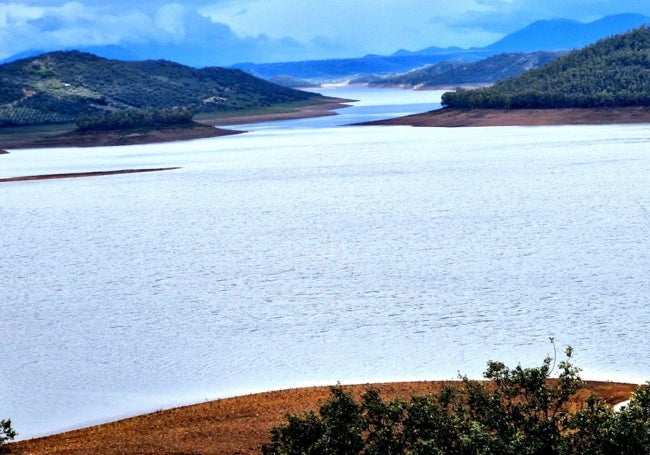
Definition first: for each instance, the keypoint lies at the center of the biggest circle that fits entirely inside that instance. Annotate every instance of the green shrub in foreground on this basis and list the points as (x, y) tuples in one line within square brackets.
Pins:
[(7, 433), (515, 411)]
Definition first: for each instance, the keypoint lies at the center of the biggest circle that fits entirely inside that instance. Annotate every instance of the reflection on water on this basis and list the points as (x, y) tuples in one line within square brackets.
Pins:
[(291, 256)]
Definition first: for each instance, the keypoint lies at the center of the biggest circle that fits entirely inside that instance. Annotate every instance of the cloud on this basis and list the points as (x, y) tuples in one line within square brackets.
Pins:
[(151, 26), (222, 32), (171, 19)]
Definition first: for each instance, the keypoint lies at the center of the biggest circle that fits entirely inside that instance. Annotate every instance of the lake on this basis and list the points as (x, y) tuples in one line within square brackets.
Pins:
[(306, 253)]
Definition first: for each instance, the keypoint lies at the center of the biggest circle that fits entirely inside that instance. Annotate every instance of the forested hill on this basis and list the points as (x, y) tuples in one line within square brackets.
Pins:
[(61, 86), (459, 72), (612, 72)]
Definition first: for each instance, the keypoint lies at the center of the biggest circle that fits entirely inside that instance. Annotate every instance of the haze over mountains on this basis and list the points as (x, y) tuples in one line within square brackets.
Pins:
[(543, 35)]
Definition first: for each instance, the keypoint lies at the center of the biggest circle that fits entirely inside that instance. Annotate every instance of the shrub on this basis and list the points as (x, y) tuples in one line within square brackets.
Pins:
[(514, 411), (7, 433)]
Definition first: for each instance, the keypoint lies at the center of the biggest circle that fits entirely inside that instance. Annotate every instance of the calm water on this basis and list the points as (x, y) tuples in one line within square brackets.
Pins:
[(309, 254)]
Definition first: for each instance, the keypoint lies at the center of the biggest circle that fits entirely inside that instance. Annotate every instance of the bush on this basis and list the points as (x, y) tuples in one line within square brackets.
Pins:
[(7, 433), (132, 118), (515, 411)]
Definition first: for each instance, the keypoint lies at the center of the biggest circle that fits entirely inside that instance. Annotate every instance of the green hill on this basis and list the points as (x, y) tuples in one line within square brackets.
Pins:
[(459, 72), (59, 87), (612, 72)]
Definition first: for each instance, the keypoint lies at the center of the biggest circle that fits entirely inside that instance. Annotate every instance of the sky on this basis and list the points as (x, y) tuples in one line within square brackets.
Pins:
[(224, 32)]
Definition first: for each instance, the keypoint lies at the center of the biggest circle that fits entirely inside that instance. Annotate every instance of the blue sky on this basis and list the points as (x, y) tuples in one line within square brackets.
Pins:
[(231, 31)]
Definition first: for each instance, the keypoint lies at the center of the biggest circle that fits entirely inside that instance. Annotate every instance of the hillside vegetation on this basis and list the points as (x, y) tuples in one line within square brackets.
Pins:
[(612, 72), (59, 87), (458, 72)]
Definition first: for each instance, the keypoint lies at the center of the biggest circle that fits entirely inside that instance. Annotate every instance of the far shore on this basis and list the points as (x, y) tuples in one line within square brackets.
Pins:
[(206, 126), (62, 136), (322, 109), (232, 426), (214, 126), (82, 174), (454, 117)]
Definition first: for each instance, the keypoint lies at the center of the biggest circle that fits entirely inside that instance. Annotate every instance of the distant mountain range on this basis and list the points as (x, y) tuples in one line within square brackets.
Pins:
[(59, 87), (544, 35)]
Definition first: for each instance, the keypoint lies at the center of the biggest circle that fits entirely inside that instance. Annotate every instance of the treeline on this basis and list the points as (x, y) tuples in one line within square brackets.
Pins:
[(515, 412), (612, 72), (131, 118)]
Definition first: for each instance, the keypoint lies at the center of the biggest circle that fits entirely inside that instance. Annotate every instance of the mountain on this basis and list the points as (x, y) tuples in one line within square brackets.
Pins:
[(428, 51), (350, 68), (564, 34), (484, 71), (612, 72), (58, 87), (544, 35)]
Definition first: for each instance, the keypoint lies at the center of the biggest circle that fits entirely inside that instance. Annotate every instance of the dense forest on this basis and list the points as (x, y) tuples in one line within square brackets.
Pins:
[(61, 86), (458, 72), (612, 72)]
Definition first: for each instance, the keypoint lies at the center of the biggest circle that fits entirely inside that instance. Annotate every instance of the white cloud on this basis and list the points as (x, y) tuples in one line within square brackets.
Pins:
[(171, 19)]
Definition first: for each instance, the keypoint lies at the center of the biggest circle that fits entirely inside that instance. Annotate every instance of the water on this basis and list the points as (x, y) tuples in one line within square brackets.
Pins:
[(309, 255)]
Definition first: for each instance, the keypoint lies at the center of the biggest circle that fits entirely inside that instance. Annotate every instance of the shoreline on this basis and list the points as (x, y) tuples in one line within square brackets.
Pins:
[(74, 138), (455, 117), (206, 127), (68, 175), (237, 425), (323, 109)]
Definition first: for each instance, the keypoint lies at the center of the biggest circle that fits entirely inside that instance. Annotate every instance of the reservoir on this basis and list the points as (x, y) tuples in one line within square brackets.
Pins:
[(305, 252)]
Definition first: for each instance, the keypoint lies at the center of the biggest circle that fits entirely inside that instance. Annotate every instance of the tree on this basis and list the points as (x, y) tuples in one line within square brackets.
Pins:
[(7, 433), (513, 411)]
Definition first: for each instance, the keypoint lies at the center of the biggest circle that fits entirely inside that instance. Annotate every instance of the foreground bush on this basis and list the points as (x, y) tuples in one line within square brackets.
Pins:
[(515, 411), (7, 433)]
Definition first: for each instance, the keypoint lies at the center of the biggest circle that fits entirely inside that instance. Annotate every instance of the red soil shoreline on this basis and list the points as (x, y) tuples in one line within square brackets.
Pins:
[(16, 138), (314, 110), (231, 426), (82, 174), (453, 117)]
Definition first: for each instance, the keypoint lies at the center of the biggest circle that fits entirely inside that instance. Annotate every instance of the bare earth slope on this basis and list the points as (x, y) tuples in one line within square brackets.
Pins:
[(225, 427), (452, 117)]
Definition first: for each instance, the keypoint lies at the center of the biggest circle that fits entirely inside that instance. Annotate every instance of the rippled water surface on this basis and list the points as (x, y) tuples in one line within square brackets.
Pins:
[(308, 254)]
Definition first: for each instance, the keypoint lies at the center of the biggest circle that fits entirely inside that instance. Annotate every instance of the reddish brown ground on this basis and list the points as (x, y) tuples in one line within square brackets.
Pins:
[(82, 174), (11, 140), (20, 138), (224, 427), (322, 109), (449, 117)]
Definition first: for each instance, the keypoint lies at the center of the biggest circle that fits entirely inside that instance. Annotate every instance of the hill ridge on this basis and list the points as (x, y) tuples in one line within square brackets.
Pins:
[(612, 72), (60, 86)]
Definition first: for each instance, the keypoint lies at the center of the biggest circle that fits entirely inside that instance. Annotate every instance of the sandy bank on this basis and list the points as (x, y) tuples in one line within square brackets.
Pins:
[(207, 126), (451, 117), (33, 138), (82, 174), (322, 109), (226, 427)]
